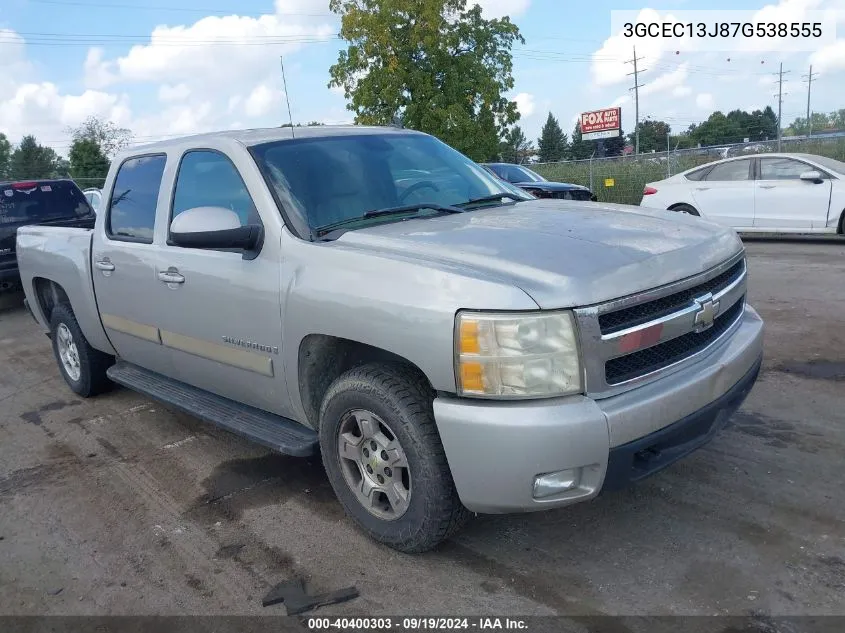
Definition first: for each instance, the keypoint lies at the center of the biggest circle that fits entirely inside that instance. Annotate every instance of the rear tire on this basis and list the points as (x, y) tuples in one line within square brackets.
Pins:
[(407, 501), (684, 208), (841, 229), (82, 366)]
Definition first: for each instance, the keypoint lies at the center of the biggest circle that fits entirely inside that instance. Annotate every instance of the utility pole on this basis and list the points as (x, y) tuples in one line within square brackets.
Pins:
[(636, 88), (780, 102), (809, 77)]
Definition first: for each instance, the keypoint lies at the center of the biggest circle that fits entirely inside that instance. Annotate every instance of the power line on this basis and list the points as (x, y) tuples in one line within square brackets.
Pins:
[(636, 89)]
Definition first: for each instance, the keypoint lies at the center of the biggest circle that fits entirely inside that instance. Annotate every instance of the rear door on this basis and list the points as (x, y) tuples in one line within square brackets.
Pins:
[(124, 261), (784, 202), (726, 194)]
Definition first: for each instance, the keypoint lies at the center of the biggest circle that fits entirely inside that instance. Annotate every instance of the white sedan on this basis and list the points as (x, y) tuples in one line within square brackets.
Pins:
[(765, 193)]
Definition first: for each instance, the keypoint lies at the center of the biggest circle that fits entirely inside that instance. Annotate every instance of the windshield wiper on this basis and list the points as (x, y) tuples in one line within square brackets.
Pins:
[(492, 198), (376, 213)]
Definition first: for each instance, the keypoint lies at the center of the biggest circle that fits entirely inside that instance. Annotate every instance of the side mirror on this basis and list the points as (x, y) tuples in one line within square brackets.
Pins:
[(216, 227), (811, 176)]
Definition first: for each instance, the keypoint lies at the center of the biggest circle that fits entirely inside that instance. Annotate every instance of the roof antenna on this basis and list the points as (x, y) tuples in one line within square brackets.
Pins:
[(285, 83)]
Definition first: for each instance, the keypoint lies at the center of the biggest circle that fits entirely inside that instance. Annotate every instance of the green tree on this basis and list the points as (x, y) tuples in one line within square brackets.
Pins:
[(109, 137), (718, 129), (579, 149), (652, 136), (515, 147), (5, 155), (615, 145), (553, 143), (88, 163), (437, 64), (31, 160)]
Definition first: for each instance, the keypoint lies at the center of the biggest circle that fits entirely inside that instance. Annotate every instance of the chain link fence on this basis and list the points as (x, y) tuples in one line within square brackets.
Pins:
[(622, 178)]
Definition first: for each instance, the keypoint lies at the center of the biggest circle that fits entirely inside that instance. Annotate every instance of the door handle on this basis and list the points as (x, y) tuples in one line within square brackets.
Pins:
[(171, 276), (104, 264), (767, 186), (702, 188)]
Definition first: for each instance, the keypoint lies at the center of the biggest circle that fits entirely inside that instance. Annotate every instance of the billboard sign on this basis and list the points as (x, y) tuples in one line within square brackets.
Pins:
[(601, 123)]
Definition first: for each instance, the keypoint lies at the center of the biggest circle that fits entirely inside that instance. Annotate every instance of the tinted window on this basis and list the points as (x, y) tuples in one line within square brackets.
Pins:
[(209, 179), (41, 202), (132, 210), (782, 169), (698, 174), (526, 175), (733, 170), (329, 179)]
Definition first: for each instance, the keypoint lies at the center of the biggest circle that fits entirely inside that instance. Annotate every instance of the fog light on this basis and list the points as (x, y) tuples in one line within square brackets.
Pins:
[(555, 483)]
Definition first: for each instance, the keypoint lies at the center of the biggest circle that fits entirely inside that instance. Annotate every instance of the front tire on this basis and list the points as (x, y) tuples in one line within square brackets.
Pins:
[(384, 458), (82, 366)]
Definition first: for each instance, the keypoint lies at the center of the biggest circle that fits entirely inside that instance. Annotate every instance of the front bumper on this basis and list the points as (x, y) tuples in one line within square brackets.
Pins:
[(495, 449)]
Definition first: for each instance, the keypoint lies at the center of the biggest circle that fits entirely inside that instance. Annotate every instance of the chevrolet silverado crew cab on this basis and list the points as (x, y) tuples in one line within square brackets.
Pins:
[(448, 343)]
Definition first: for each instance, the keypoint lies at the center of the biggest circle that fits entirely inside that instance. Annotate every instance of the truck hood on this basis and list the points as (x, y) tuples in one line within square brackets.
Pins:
[(561, 253)]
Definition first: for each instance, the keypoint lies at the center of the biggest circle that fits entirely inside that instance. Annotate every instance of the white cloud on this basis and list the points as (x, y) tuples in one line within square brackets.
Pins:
[(40, 109), (525, 104), (261, 100), (681, 91), (499, 8), (609, 62), (620, 101), (168, 93), (97, 73), (830, 58), (704, 101), (674, 79)]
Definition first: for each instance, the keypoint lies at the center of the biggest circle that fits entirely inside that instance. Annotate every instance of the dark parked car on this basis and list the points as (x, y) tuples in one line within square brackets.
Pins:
[(534, 183), (44, 202)]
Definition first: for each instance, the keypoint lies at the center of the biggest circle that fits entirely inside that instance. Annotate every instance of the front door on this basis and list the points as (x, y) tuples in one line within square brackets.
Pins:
[(726, 194), (220, 313), (124, 264), (784, 202)]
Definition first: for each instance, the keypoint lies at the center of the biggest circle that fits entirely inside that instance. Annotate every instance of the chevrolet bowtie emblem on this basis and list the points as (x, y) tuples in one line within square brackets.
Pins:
[(707, 311)]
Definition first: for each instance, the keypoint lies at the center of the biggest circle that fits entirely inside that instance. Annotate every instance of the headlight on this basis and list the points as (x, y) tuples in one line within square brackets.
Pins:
[(516, 355)]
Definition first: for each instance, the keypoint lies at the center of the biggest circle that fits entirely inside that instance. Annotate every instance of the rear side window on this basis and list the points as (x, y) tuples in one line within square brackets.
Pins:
[(209, 179), (132, 209), (698, 174), (732, 170), (23, 202)]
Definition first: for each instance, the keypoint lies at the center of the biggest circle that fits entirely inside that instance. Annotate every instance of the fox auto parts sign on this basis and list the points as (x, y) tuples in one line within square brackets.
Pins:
[(601, 123)]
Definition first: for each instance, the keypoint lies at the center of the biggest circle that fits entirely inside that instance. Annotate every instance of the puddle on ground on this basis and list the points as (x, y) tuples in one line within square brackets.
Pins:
[(814, 369), (242, 484)]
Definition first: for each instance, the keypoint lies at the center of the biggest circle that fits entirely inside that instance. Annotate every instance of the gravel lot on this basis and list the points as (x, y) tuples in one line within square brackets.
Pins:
[(116, 506)]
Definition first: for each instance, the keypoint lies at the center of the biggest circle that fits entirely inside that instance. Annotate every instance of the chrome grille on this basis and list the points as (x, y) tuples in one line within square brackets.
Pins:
[(644, 312), (651, 359), (630, 341)]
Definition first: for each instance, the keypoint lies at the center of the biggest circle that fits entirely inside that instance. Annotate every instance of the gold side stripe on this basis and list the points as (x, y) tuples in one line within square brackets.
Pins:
[(133, 328), (240, 358)]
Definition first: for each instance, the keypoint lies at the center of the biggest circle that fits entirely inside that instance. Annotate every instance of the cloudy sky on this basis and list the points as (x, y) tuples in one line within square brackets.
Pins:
[(164, 69)]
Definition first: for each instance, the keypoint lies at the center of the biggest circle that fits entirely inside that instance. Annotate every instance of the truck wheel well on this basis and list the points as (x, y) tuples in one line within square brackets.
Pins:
[(49, 295), (323, 358)]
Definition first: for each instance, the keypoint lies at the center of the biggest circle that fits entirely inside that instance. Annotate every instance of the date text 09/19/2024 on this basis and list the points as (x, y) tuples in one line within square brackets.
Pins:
[(417, 624)]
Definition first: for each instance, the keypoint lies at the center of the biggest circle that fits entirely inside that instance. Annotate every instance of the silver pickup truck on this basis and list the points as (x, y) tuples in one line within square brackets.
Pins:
[(446, 342)]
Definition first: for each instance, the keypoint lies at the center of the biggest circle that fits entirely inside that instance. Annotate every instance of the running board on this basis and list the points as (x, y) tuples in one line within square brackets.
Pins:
[(281, 434)]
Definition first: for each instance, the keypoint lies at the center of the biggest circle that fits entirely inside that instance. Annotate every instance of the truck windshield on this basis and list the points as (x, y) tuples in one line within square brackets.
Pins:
[(41, 201), (336, 179)]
